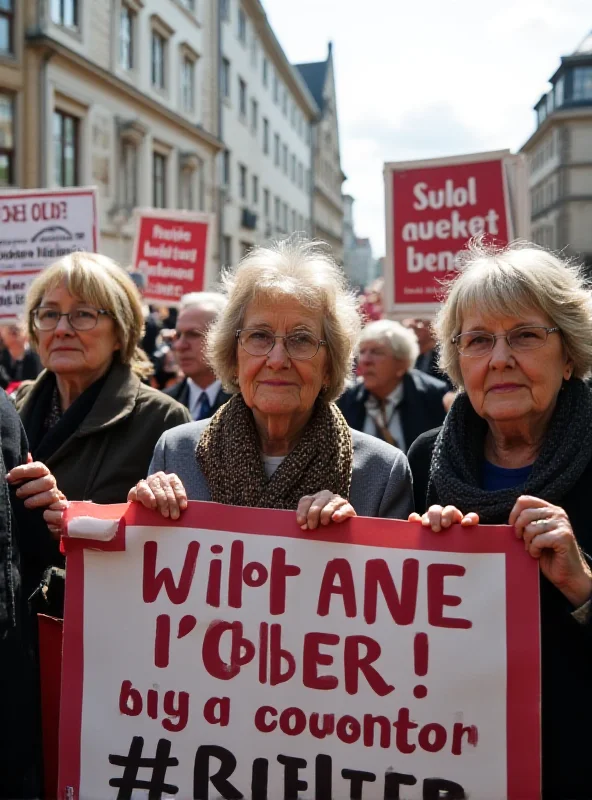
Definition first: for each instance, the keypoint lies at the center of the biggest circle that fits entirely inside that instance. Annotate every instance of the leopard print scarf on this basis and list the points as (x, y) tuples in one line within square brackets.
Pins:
[(229, 457)]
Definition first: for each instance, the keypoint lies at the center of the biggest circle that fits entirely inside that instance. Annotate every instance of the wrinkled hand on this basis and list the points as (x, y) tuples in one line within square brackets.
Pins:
[(54, 517), (321, 509), (162, 491), (548, 536), (36, 485), (438, 517)]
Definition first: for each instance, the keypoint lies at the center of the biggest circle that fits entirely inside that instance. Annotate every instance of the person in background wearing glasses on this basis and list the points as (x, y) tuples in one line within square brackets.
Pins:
[(283, 347), (200, 391), (516, 448), (88, 415)]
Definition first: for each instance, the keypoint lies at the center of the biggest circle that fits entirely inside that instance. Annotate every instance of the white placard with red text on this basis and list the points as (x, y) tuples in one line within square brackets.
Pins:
[(433, 208), (173, 251), (38, 227), (231, 655)]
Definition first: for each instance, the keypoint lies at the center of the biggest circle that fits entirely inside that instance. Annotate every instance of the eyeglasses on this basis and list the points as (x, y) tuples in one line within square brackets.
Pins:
[(192, 335), (479, 343), (80, 319), (300, 345)]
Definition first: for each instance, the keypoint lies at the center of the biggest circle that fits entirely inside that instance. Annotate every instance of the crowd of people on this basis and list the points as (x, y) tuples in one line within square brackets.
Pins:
[(272, 393)]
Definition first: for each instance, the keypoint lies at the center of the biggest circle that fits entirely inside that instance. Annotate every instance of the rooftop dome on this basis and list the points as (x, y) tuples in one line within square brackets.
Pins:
[(585, 46)]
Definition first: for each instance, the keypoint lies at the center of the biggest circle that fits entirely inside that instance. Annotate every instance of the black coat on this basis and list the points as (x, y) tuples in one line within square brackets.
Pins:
[(420, 409), (566, 650), (26, 548), (180, 392)]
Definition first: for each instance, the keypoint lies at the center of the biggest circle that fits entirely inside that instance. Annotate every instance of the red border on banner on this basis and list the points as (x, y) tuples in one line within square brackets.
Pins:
[(523, 691)]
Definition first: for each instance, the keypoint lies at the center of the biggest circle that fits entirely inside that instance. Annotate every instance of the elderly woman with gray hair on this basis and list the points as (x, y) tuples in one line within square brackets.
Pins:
[(392, 400), (283, 347), (516, 448)]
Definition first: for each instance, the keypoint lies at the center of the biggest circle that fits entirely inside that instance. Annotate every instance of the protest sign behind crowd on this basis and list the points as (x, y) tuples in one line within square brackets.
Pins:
[(38, 227), (433, 208), (173, 251), (229, 655)]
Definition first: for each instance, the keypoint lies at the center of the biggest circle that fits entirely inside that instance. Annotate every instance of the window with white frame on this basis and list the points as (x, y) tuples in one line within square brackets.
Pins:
[(285, 216), (276, 149), (187, 199), (158, 60), (242, 26), (582, 83), (276, 88), (242, 181), (226, 251), (293, 221), (265, 135), (242, 98), (254, 115), (266, 203), (285, 159), (265, 71), (65, 13), (129, 174), (225, 78), (66, 148), (225, 10), (285, 102), (226, 168), (188, 83), (293, 168), (159, 177), (277, 209), (255, 190), (127, 23)]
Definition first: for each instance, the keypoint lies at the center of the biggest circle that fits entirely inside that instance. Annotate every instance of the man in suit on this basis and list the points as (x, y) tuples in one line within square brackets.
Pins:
[(391, 400), (427, 360), (200, 390)]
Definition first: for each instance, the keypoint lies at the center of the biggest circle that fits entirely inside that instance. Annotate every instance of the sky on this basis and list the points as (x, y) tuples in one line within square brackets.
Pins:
[(428, 78)]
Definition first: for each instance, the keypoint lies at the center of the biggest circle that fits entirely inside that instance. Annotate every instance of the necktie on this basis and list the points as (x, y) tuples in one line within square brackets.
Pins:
[(382, 423), (205, 409)]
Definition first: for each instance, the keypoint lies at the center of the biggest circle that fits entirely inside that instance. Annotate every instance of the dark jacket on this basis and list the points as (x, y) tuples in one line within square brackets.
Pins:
[(27, 369), (180, 392), (420, 409), (566, 650), (112, 449), (25, 551), (428, 363)]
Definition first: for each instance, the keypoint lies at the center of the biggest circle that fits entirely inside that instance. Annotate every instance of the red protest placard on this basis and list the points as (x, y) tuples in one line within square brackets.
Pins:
[(229, 654), (433, 209), (172, 250)]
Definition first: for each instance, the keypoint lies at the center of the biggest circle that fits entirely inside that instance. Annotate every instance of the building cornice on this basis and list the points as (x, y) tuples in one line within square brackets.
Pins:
[(289, 73), (320, 190), (49, 45), (556, 118)]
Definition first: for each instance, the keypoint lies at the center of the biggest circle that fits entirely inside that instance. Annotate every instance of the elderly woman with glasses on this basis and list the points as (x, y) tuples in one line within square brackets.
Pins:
[(283, 347), (516, 448), (88, 416)]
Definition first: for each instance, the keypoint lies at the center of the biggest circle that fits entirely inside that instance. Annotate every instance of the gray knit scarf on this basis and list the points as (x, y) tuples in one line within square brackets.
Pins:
[(229, 457), (458, 457)]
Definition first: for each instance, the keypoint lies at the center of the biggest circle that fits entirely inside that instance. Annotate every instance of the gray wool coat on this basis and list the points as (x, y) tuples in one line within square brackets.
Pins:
[(381, 482)]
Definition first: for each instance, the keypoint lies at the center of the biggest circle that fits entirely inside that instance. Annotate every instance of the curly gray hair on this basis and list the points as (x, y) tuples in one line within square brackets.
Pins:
[(511, 281), (298, 269)]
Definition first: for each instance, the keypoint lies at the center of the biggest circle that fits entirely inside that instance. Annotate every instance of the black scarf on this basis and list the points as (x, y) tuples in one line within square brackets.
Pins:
[(44, 441), (457, 459)]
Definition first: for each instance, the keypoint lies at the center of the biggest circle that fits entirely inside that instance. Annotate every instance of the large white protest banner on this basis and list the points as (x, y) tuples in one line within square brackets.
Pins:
[(230, 655), (37, 227)]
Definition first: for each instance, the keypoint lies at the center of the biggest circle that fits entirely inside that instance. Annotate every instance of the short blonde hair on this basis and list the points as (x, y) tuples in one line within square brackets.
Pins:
[(100, 281), (401, 341), (511, 281), (291, 268)]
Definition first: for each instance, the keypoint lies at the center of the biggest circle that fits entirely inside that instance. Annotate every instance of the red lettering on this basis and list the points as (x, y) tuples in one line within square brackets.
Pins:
[(312, 658), (403, 725), (214, 583), (385, 730), (180, 712), (242, 650), (337, 569), (277, 657), (130, 700), (432, 737), (348, 729), (261, 724), (263, 644), (437, 599), (162, 641), (327, 728), (152, 704), (153, 582), (354, 663), (217, 711), (280, 571), (458, 731), (402, 609), (292, 721)]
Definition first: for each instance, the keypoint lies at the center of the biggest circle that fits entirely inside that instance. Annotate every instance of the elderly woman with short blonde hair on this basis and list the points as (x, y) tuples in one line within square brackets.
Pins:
[(283, 347), (516, 448), (88, 416)]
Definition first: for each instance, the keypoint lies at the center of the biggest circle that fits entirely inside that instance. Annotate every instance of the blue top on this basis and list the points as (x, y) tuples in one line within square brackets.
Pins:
[(494, 478)]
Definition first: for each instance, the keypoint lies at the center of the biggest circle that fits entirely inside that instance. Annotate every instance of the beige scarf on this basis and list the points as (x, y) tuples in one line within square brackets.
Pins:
[(229, 456)]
